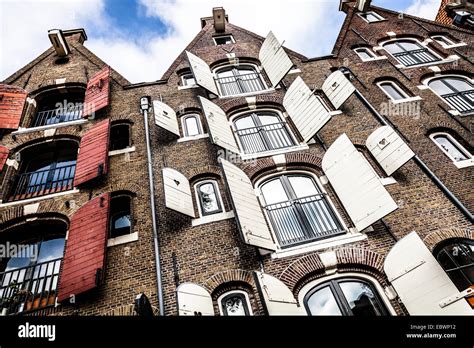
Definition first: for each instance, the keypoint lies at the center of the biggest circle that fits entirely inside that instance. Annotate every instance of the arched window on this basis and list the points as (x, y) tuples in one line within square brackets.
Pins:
[(456, 256), (234, 303), (345, 296), (120, 136), (191, 125), (443, 40), (262, 131), (120, 216), (57, 108), (365, 53), (410, 52), (455, 151), (239, 79), (457, 91), (208, 197), (393, 90), (298, 210)]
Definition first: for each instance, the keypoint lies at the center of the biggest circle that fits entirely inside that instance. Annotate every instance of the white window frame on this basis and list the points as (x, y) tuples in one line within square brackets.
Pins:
[(184, 85), (225, 35), (381, 292), (460, 164), (185, 129), (405, 98), (246, 296), (218, 195), (375, 14), (447, 38), (369, 52), (255, 67)]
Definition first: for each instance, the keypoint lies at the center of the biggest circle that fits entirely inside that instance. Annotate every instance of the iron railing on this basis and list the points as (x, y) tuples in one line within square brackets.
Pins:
[(245, 83), (265, 138), (58, 115), (43, 182), (29, 288), (302, 220), (461, 101), (416, 57)]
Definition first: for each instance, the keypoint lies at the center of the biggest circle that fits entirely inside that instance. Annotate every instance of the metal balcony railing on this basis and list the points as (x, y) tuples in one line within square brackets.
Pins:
[(416, 57), (58, 115), (265, 138), (245, 83), (29, 288), (302, 220), (43, 182), (461, 101)]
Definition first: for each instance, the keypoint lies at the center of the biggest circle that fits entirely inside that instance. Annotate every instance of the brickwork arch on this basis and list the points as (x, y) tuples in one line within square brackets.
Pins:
[(436, 237)]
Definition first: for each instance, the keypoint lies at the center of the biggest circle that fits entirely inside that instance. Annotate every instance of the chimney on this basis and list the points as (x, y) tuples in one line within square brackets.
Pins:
[(59, 42), (218, 14)]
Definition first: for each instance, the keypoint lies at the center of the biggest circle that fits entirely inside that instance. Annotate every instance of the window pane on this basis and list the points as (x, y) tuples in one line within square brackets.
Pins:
[(459, 84), (409, 46), (244, 123), (453, 150), (119, 137), (392, 91), (322, 302), (234, 305), (225, 73), (361, 299), (363, 53), (273, 192), (303, 186), (208, 196), (51, 249), (440, 88), (268, 119), (463, 256), (188, 80), (393, 48), (443, 40), (192, 126)]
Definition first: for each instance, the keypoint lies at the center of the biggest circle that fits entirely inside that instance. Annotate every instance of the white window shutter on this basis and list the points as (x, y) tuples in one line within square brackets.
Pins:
[(421, 283), (202, 73), (390, 151), (305, 109), (356, 184), (247, 209), (338, 88), (165, 117), (177, 192), (279, 300), (194, 300), (274, 59), (219, 127)]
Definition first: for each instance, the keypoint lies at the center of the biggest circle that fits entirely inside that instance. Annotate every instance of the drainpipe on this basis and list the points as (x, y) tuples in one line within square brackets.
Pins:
[(417, 160), (144, 107)]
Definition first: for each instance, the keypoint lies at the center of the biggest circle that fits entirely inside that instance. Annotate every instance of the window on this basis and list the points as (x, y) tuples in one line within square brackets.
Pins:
[(410, 52), (371, 17), (187, 79), (456, 91), (119, 136), (455, 151), (457, 259), (262, 131), (58, 108), (234, 303), (365, 53), (240, 79), (392, 90), (297, 210), (345, 296), (191, 125), (223, 40), (120, 216), (443, 40), (208, 197)]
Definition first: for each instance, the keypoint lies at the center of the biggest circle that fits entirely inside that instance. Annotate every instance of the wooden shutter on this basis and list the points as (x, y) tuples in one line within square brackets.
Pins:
[(278, 299), (202, 73), (194, 300), (421, 283), (274, 59), (97, 93), (165, 117), (3, 156), (338, 88), (219, 127), (390, 151), (177, 192), (305, 109), (12, 101), (247, 208), (356, 184), (93, 157), (84, 257)]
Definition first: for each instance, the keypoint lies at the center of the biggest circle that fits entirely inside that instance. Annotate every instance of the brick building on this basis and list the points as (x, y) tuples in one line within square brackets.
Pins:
[(281, 184)]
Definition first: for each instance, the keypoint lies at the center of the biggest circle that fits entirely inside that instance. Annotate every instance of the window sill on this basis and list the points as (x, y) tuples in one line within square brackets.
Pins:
[(118, 152), (263, 91), (388, 181), (454, 45), (464, 164), (406, 100), (194, 137), (212, 218), (455, 112), (128, 238), (374, 59), (29, 200), (187, 87), (320, 244), (50, 126), (251, 156)]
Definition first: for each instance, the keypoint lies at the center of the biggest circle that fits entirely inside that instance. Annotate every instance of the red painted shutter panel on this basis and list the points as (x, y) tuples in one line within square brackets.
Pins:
[(85, 248), (97, 93), (93, 157), (3, 156), (12, 101)]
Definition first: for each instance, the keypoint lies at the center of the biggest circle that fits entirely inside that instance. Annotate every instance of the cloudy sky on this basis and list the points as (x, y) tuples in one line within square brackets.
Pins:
[(141, 38)]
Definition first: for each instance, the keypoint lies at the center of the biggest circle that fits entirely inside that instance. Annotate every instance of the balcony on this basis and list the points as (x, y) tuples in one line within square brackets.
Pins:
[(265, 138), (461, 101), (416, 57), (29, 288), (245, 83), (303, 220), (58, 115)]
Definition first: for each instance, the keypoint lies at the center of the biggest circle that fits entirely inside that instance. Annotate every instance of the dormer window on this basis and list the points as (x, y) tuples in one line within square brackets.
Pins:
[(233, 80), (371, 17), (223, 40)]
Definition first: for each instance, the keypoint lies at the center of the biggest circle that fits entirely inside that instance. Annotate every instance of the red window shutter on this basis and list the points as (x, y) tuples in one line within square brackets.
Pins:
[(97, 93), (84, 257), (3, 156), (93, 157), (12, 101)]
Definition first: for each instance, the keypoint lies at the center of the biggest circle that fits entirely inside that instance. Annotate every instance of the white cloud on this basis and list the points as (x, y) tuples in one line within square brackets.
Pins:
[(424, 8)]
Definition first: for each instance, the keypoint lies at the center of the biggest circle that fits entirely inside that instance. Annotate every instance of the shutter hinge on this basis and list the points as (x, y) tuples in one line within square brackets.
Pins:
[(98, 276), (102, 200), (451, 299), (407, 270), (100, 169)]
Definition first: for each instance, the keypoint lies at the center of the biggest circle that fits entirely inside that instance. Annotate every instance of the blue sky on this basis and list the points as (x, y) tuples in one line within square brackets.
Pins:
[(140, 38)]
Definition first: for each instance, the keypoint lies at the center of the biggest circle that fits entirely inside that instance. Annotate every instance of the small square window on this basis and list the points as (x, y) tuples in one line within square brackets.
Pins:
[(223, 40), (188, 79), (371, 17)]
